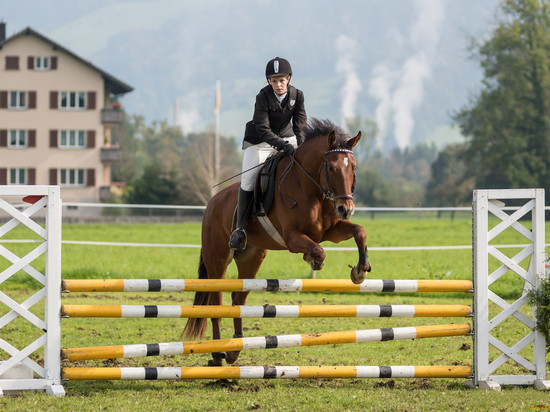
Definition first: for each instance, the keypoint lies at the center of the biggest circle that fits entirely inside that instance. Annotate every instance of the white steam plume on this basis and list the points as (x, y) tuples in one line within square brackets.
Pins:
[(380, 89), (401, 92), (347, 50)]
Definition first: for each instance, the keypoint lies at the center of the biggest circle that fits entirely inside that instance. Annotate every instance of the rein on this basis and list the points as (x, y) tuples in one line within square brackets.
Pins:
[(329, 193)]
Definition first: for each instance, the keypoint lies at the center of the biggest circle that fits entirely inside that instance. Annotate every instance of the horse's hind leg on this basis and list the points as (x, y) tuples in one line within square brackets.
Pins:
[(248, 263), (216, 267), (217, 357)]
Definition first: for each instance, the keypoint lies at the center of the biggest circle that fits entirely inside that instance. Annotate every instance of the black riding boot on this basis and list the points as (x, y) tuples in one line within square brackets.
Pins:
[(238, 237)]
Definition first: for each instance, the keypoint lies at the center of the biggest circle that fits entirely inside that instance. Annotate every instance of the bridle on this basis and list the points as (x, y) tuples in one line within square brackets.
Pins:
[(329, 192)]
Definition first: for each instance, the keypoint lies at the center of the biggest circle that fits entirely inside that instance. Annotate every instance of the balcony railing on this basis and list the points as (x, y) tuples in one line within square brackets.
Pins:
[(110, 154), (115, 116)]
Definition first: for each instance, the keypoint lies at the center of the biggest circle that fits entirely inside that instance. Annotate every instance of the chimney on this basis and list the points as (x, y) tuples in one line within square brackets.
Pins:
[(2, 31)]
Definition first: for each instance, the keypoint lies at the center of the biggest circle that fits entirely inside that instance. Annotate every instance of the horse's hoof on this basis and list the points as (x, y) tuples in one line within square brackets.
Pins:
[(232, 356), (217, 359), (357, 276), (317, 265), (215, 362)]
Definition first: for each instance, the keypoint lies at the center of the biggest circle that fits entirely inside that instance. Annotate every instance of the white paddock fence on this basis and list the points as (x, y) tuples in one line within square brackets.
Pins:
[(491, 312)]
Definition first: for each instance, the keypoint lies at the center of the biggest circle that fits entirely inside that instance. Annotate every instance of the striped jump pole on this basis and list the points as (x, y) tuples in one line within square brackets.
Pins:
[(266, 372), (265, 342), (265, 311), (264, 285)]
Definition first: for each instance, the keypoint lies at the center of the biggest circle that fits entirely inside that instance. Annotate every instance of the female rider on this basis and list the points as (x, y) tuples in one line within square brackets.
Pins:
[(278, 124)]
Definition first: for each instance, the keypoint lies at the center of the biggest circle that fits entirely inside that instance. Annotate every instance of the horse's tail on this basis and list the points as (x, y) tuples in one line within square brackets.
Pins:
[(196, 327)]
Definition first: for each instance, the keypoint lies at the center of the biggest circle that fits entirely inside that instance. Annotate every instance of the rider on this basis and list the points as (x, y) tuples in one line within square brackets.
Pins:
[(269, 131)]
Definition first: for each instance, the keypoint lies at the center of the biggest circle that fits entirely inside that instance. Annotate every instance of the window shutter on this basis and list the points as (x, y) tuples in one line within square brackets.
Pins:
[(53, 100), (30, 62), (91, 100), (3, 99), (53, 176), (53, 138), (3, 176), (32, 138), (12, 62), (90, 177), (3, 138), (53, 63), (31, 176), (90, 139), (32, 100)]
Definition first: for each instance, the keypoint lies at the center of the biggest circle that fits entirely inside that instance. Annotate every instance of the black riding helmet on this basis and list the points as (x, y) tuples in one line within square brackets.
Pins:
[(278, 67)]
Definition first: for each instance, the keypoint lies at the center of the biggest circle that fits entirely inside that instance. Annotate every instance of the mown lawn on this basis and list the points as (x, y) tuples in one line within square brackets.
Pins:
[(84, 261)]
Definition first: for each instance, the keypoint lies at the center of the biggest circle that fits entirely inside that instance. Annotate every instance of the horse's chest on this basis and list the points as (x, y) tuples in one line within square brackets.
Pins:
[(323, 223)]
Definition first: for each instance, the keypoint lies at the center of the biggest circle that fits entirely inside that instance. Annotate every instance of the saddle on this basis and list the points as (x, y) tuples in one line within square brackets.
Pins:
[(264, 189), (264, 193)]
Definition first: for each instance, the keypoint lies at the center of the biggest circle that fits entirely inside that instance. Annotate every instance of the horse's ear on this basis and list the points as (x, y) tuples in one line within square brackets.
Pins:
[(351, 143), (331, 139)]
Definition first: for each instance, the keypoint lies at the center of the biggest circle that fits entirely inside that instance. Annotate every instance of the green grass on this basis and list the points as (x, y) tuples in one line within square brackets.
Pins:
[(80, 261)]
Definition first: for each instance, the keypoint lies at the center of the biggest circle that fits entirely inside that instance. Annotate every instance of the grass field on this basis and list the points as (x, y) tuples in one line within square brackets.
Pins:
[(84, 261)]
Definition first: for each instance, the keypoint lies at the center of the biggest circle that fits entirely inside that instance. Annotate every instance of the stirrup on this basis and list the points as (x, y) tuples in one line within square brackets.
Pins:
[(238, 239)]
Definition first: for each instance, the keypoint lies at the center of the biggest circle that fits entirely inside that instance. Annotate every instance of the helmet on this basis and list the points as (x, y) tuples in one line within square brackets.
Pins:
[(278, 67)]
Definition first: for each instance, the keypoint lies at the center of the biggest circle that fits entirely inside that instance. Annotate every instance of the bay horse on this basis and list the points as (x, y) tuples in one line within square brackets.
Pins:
[(318, 182)]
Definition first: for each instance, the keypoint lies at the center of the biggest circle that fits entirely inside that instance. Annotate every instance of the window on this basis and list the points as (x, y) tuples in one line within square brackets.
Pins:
[(12, 63), (18, 100), (18, 138), (73, 177), (18, 176), (72, 139), (72, 100), (41, 63)]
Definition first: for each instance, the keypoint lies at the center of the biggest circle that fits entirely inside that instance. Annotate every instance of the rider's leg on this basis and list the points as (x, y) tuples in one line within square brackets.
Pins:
[(238, 237), (253, 156)]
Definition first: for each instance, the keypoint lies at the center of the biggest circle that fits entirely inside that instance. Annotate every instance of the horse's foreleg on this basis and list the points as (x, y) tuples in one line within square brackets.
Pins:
[(217, 357), (345, 230), (314, 254)]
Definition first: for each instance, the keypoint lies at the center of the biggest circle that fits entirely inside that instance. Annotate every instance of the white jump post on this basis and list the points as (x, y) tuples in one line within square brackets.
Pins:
[(18, 371), (490, 352)]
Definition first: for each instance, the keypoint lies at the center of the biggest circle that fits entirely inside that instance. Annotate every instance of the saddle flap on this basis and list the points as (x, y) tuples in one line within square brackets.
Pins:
[(264, 189)]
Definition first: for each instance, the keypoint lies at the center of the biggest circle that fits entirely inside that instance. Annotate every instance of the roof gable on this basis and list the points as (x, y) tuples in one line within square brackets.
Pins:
[(112, 84)]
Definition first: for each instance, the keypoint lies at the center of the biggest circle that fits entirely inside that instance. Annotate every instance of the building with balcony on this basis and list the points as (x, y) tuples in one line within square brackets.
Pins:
[(57, 116)]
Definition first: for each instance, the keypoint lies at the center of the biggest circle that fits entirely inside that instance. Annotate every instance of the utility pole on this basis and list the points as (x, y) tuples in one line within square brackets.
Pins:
[(217, 105)]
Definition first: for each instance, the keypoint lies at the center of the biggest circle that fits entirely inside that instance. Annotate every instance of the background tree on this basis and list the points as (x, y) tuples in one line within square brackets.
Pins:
[(450, 184), (198, 172), (159, 154), (507, 124), (154, 187)]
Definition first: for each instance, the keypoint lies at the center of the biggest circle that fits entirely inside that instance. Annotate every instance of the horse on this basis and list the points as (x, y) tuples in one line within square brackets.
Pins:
[(313, 203)]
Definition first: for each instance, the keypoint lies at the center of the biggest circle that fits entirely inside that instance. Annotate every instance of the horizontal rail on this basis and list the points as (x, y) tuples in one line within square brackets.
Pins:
[(266, 372), (265, 311), (329, 248), (265, 342), (263, 285)]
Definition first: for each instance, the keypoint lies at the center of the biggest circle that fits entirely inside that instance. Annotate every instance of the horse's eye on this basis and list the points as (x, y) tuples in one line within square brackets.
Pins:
[(331, 169)]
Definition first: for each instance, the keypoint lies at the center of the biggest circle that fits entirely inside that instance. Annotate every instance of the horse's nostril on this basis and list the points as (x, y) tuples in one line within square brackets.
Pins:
[(341, 210)]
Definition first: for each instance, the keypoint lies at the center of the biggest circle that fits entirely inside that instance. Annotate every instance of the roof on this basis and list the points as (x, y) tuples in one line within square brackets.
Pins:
[(112, 84)]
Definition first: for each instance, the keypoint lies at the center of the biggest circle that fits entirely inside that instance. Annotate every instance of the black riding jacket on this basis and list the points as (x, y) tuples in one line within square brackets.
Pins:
[(272, 120)]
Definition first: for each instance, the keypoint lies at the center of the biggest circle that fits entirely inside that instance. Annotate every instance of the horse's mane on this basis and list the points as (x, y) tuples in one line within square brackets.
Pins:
[(323, 127)]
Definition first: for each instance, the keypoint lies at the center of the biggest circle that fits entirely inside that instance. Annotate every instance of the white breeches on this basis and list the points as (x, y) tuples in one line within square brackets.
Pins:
[(253, 156)]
